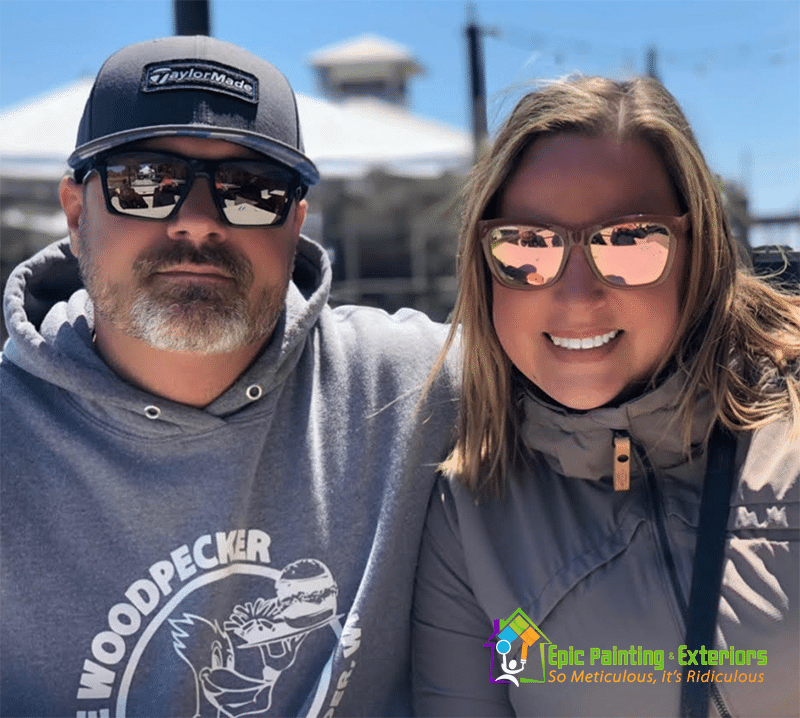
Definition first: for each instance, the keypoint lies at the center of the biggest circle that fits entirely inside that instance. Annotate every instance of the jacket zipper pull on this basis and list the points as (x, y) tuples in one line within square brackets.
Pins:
[(622, 461)]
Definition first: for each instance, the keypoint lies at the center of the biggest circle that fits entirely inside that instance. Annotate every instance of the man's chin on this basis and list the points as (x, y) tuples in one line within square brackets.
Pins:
[(196, 318), (196, 327)]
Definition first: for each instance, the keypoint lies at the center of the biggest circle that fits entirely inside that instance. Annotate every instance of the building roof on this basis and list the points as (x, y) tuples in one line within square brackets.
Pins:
[(346, 139), (37, 136), (351, 138)]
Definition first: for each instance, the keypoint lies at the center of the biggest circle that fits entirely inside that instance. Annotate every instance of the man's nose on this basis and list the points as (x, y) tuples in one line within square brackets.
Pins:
[(198, 217)]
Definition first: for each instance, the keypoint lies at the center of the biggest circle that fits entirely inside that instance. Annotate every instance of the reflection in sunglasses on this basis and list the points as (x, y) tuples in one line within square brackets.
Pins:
[(151, 186), (628, 254)]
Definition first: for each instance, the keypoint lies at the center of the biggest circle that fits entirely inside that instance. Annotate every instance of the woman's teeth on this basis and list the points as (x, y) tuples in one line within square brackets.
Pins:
[(585, 343)]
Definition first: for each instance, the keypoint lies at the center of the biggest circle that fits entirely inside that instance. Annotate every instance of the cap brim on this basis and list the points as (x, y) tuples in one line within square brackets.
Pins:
[(277, 151)]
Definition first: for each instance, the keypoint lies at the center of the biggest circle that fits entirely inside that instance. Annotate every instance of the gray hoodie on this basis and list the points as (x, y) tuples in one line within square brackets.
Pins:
[(601, 577), (255, 557)]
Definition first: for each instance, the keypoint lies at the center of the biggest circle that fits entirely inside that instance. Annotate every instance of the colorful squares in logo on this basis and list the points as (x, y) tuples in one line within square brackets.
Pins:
[(530, 636), (508, 634), (520, 625), (519, 628)]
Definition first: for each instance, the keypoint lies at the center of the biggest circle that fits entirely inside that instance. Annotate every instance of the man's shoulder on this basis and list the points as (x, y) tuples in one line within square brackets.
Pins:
[(399, 349), (403, 326), (407, 338)]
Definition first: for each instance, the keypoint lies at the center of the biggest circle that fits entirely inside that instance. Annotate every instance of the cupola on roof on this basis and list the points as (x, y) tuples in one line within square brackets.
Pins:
[(367, 66), (367, 49)]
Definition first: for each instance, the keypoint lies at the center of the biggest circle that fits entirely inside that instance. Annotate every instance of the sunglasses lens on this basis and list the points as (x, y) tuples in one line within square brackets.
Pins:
[(626, 254), (524, 255), (143, 185), (254, 193), (150, 185), (631, 254)]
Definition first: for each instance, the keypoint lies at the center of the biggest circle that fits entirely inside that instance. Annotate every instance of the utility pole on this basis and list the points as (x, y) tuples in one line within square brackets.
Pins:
[(192, 17), (652, 57), (474, 32)]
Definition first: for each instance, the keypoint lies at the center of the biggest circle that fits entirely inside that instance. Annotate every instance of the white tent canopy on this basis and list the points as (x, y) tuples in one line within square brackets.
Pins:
[(37, 136), (346, 139)]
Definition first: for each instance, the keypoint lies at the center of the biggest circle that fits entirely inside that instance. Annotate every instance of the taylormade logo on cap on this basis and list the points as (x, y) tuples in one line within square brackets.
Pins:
[(194, 75), (193, 86)]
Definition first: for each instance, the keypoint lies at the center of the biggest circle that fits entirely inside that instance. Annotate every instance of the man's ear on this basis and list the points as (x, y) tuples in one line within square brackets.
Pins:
[(300, 216), (71, 196)]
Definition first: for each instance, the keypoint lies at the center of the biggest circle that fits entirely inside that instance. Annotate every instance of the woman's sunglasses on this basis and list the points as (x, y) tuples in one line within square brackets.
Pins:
[(635, 251), (153, 185)]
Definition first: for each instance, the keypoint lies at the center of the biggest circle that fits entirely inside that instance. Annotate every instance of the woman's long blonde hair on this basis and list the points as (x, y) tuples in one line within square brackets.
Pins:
[(738, 338)]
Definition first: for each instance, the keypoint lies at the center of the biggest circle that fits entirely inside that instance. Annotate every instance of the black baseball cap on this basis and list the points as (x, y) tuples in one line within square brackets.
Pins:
[(192, 87)]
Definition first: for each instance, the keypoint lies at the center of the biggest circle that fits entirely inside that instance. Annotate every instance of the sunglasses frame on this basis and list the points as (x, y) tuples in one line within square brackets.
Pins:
[(580, 236), (296, 190)]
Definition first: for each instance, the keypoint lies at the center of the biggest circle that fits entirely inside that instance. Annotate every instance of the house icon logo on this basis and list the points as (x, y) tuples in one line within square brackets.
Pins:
[(503, 641)]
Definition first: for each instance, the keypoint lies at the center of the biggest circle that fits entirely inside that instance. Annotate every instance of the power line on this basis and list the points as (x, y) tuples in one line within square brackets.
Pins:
[(773, 52)]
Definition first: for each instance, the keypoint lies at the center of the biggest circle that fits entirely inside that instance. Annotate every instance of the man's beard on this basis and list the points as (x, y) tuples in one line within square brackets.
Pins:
[(200, 318)]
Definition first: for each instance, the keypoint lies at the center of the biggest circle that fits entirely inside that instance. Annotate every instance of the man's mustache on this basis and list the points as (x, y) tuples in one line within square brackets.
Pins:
[(220, 255)]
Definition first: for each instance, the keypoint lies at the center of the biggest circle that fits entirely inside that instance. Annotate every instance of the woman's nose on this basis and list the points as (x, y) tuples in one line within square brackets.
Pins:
[(578, 281)]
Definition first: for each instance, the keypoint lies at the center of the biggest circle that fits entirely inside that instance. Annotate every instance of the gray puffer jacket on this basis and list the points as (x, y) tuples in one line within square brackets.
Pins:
[(602, 577)]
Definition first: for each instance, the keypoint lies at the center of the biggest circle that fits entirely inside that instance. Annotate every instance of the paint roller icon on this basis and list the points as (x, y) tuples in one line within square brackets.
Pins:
[(518, 627)]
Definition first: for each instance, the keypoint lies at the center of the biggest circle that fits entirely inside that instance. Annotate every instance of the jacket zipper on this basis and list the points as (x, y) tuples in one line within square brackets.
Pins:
[(657, 506), (719, 704)]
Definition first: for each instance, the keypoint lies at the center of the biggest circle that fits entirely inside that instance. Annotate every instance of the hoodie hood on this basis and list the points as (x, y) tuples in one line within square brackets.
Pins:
[(50, 320)]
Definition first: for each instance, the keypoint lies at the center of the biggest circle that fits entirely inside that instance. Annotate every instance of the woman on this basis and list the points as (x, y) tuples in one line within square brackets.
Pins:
[(608, 326)]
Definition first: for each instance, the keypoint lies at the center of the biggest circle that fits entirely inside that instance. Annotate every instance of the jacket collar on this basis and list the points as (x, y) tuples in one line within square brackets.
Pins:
[(580, 445)]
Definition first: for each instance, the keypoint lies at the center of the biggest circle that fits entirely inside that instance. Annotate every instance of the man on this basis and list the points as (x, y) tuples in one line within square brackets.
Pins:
[(213, 484)]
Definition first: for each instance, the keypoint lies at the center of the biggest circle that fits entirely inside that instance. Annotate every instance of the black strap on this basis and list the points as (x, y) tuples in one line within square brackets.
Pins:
[(708, 561)]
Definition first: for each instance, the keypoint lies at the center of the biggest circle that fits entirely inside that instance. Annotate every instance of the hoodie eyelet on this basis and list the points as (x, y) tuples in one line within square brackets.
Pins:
[(152, 412), (254, 392)]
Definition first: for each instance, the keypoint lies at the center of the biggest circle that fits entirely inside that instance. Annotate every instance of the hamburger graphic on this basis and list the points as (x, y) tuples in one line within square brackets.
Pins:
[(306, 593), (305, 600)]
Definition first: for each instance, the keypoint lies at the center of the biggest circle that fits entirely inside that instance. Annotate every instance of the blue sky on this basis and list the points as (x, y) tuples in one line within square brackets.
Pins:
[(733, 65)]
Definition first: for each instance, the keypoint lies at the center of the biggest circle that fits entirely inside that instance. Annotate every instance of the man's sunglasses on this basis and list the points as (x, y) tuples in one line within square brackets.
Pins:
[(153, 185), (635, 251)]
